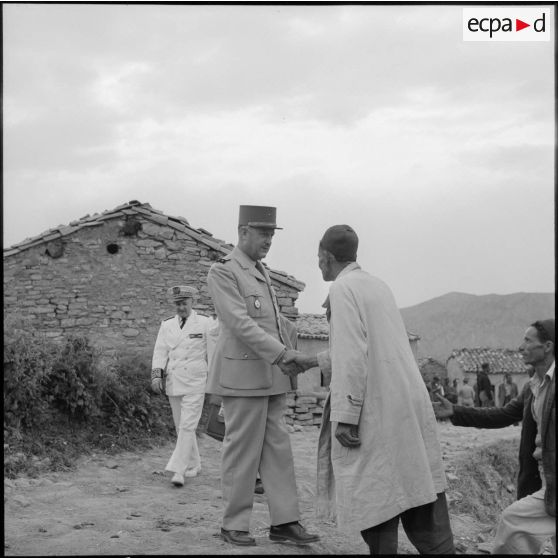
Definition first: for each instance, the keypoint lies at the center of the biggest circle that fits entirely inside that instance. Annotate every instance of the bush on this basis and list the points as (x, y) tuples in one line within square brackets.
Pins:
[(127, 401), (28, 361), (72, 386), (61, 403)]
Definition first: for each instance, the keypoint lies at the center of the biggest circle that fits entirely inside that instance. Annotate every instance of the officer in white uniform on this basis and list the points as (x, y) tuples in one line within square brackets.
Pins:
[(181, 357)]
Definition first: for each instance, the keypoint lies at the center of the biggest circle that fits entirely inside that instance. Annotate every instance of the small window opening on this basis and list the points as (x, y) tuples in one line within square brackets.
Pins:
[(54, 249), (130, 227), (113, 248)]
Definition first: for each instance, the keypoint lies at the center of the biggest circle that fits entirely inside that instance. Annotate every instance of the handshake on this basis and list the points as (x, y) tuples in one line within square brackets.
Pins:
[(294, 362)]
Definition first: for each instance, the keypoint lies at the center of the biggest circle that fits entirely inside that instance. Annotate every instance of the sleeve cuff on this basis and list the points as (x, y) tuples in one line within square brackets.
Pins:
[(281, 355), (345, 417)]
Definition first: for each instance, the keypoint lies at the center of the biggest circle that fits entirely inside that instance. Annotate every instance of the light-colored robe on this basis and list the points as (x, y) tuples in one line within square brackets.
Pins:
[(375, 384)]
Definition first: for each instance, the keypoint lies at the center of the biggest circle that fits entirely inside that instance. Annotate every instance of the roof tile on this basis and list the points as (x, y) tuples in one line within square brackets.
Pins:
[(316, 326), (133, 208), (499, 360)]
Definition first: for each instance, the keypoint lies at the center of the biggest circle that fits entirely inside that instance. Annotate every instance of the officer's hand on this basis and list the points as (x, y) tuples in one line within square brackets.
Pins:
[(292, 369), (443, 408), (347, 435), (157, 385), (303, 360)]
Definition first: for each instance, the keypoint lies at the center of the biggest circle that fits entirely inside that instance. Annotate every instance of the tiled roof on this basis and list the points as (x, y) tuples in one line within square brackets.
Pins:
[(315, 326), (499, 360), (144, 210), (312, 326)]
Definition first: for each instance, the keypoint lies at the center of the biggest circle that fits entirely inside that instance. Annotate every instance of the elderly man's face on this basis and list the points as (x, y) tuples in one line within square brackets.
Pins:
[(255, 242), (184, 307), (324, 263), (532, 349)]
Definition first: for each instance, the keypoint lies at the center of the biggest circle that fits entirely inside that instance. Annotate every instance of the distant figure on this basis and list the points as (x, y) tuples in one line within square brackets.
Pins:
[(451, 391), (466, 394), (436, 387), (507, 390), (484, 387)]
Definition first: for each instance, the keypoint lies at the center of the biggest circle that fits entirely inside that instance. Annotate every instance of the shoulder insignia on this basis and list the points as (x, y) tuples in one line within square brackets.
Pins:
[(223, 260), (169, 318), (204, 315)]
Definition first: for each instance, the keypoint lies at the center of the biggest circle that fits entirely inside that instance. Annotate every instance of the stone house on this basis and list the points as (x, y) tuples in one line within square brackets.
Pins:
[(313, 337), (105, 276), (465, 363), (430, 367)]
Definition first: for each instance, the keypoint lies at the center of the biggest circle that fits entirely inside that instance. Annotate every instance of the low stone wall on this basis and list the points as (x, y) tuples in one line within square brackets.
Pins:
[(305, 409)]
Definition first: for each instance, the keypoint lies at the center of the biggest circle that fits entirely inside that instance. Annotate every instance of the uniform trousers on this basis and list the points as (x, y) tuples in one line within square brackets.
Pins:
[(186, 413), (428, 528), (525, 526), (257, 439)]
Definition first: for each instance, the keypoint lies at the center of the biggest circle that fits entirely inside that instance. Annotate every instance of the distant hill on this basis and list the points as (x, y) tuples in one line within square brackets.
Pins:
[(460, 320)]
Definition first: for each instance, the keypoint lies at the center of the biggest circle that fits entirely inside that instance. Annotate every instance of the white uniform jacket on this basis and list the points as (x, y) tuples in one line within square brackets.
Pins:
[(183, 353)]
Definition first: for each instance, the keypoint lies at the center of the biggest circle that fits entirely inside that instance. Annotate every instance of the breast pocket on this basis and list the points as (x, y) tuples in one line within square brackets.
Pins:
[(254, 304)]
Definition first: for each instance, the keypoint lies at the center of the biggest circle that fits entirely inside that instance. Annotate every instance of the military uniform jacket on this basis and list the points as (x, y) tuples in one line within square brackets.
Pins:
[(249, 340), (183, 353)]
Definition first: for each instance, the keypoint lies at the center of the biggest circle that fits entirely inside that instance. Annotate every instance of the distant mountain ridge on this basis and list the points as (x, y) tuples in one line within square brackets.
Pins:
[(461, 320)]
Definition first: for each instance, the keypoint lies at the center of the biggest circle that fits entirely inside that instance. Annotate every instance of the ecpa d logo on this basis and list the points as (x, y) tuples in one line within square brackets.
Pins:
[(506, 24)]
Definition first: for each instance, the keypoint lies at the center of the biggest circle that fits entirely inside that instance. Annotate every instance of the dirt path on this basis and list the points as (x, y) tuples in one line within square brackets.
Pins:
[(126, 505)]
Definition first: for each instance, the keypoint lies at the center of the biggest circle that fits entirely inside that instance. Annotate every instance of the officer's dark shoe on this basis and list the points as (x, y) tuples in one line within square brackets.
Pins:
[(259, 489), (291, 532), (240, 538)]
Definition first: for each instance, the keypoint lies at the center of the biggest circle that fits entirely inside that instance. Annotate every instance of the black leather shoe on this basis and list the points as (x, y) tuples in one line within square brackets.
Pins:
[(240, 538), (259, 489), (291, 532)]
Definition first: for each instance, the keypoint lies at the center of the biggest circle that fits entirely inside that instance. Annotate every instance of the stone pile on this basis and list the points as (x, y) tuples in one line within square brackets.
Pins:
[(305, 409)]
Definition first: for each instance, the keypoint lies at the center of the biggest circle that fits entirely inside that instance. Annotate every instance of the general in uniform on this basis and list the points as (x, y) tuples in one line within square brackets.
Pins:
[(244, 371), (181, 357)]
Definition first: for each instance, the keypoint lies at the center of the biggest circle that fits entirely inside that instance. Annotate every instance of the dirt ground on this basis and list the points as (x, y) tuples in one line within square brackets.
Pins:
[(126, 505)]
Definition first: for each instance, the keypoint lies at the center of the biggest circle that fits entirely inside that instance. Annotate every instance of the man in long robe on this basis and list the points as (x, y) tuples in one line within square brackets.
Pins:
[(379, 457)]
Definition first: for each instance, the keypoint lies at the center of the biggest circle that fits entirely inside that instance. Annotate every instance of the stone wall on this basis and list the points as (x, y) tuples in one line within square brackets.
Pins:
[(111, 286), (305, 409)]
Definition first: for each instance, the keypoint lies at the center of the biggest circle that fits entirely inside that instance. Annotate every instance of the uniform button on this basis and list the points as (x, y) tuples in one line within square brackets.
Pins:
[(245, 356)]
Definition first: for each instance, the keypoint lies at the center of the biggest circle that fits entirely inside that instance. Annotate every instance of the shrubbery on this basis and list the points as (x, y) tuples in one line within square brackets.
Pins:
[(28, 362), (61, 402)]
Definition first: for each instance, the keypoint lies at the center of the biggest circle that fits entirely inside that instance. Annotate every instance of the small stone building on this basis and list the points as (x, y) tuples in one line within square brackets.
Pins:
[(430, 367), (106, 276), (465, 363), (313, 337)]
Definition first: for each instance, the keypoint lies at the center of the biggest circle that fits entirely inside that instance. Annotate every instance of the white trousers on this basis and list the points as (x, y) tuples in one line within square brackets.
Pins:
[(525, 527), (186, 413)]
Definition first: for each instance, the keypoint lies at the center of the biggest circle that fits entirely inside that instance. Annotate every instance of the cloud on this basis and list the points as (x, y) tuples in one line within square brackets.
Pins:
[(374, 115)]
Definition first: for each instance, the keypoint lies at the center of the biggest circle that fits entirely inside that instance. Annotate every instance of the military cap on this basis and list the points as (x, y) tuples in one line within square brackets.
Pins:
[(180, 292), (259, 216)]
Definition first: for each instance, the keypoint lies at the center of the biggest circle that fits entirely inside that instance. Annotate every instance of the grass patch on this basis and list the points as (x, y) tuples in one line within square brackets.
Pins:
[(486, 481), (57, 444)]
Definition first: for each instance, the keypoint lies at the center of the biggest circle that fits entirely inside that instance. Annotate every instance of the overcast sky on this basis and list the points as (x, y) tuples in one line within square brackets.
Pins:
[(438, 152)]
